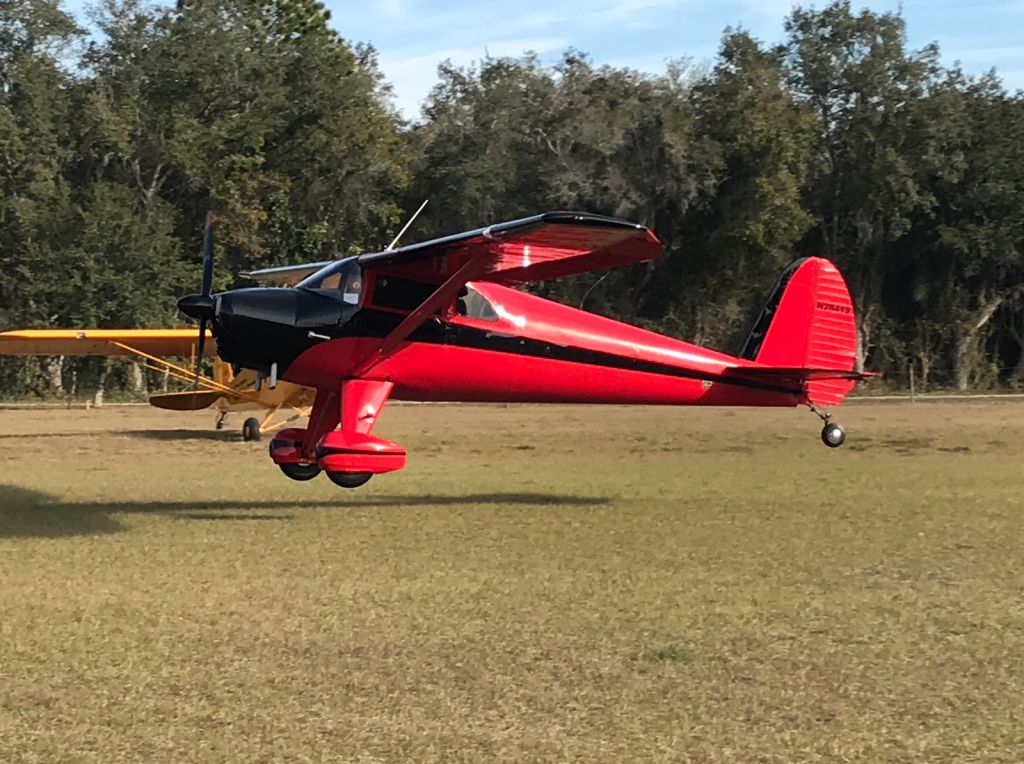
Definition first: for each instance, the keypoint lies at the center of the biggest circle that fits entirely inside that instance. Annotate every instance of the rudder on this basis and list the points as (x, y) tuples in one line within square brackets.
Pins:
[(808, 323)]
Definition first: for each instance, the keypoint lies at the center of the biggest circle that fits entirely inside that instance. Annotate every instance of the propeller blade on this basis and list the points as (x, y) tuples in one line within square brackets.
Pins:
[(202, 341), (201, 306), (199, 350)]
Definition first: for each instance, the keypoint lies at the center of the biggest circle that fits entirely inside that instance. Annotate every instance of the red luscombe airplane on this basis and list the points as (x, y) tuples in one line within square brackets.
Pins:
[(439, 321)]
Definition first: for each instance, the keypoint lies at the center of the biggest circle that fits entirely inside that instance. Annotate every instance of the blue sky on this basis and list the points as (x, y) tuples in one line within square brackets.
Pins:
[(413, 36)]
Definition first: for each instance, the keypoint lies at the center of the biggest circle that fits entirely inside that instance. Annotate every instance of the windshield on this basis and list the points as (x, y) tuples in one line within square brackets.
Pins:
[(472, 304), (342, 280)]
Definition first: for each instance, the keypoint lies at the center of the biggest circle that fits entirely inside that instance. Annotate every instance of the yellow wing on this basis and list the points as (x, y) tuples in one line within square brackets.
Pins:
[(103, 342), (151, 348)]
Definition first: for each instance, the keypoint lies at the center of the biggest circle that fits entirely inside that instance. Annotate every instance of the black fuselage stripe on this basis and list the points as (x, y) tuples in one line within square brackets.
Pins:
[(482, 340)]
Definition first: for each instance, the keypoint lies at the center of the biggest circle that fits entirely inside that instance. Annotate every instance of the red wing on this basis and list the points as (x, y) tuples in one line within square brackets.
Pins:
[(532, 249)]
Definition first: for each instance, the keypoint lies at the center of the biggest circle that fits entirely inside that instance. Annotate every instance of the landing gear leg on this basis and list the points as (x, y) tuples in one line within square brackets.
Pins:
[(832, 435), (219, 424)]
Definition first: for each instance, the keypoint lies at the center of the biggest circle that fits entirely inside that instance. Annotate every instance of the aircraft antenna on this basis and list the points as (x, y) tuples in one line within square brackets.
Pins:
[(406, 226), (591, 289)]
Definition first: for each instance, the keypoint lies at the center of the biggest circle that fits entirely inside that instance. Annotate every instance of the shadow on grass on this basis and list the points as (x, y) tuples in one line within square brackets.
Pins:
[(226, 435), (27, 513), (48, 435)]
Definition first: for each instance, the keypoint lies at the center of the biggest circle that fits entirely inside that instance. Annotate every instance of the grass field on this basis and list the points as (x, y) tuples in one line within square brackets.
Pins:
[(540, 583)]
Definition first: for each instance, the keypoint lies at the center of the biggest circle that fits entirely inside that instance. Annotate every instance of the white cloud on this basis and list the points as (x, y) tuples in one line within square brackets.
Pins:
[(625, 11), (414, 75), (395, 9)]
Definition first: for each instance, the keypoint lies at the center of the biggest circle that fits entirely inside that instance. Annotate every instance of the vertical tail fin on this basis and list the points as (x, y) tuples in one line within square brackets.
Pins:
[(808, 323)]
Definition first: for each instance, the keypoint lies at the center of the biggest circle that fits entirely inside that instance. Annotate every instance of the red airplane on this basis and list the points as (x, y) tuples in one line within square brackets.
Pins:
[(439, 321)]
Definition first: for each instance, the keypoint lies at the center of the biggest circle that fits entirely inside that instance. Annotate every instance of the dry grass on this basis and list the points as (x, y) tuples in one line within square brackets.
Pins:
[(541, 583)]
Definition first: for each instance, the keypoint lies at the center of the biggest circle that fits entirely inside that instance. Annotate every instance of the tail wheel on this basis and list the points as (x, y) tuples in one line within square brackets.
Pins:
[(301, 472), (349, 479), (833, 435), (251, 429)]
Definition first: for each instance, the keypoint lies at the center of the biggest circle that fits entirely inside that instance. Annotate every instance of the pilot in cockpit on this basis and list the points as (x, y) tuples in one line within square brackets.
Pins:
[(352, 287)]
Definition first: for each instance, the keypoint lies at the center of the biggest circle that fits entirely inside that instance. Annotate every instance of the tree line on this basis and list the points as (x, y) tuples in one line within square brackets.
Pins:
[(840, 141)]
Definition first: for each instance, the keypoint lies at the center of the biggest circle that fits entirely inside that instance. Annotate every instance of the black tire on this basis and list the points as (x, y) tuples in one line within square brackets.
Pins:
[(833, 435), (349, 479), (301, 472), (251, 429)]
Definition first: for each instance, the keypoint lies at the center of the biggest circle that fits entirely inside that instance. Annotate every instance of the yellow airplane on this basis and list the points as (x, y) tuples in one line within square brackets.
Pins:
[(225, 392)]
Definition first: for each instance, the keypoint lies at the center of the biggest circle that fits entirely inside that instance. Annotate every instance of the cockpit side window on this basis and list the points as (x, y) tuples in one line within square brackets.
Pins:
[(331, 282), (352, 286), (342, 280), (472, 304)]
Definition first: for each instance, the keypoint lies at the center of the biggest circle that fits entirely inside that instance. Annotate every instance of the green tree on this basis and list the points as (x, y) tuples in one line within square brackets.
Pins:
[(514, 138), (743, 229), (256, 110), (35, 149), (875, 144), (970, 250)]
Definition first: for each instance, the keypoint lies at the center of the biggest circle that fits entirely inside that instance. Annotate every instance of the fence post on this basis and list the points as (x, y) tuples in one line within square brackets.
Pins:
[(911, 381)]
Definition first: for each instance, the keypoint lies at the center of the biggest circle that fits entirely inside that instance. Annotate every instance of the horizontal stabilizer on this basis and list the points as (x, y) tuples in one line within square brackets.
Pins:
[(799, 374), (800, 381)]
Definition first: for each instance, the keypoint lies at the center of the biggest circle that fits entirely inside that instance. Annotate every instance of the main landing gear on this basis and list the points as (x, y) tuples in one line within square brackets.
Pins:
[(251, 429), (348, 455), (287, 451), (300, 472), (349, 479), (832, 434)]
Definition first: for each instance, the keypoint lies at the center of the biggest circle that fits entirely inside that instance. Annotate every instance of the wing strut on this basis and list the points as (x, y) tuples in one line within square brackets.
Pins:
[(416, 319), (184, 374)]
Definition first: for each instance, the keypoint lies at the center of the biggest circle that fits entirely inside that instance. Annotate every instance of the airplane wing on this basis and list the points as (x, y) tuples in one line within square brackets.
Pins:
[(537, 248), (521, 251), (286, 275), (188, 400), (151, 347), (102, 342)]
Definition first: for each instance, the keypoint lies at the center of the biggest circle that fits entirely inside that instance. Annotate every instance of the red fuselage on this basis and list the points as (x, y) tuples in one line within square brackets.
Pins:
[(533, 350)]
